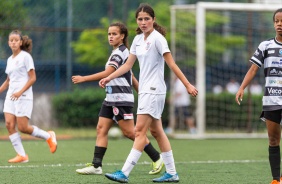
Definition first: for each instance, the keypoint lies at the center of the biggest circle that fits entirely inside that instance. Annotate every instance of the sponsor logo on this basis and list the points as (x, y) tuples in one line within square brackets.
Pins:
[(271, 51), (274, 91), (256, 53), (273, 81), (116, 58), (275, 72), (279, 63), (109, 89), (280, 52), (141, 108)]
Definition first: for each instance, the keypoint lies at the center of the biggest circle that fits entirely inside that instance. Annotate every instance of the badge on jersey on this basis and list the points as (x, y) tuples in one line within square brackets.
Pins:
[(115, 110), (280, 52), (148, 46)]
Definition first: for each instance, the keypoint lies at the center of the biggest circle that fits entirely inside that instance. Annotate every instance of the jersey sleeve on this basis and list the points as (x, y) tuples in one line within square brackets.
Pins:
[(116, 61), (161, 45), (133, 46), (259, 55), (29, 64)]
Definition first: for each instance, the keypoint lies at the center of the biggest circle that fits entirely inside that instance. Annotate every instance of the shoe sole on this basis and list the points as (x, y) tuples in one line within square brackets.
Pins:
[(25, 161), (110, 178), (88, 173)]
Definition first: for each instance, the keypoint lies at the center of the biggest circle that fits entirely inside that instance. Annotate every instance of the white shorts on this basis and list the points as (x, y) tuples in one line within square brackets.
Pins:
[(19, 108), (152, 104)]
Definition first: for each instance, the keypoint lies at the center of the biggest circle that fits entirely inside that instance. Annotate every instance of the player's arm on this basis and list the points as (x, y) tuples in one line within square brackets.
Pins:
[(176, 70), (120, 71), (94, 77), (29, 83), (135, 82), (247, 79)]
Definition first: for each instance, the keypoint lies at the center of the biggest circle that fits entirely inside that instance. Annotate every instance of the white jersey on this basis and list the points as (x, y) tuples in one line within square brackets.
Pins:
[(269, 54), (181, 96), (17, 70), (149, 53), (119, 90)]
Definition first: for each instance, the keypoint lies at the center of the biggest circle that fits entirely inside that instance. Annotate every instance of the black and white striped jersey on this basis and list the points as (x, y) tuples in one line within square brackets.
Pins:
[(119, 90), (269, 54)]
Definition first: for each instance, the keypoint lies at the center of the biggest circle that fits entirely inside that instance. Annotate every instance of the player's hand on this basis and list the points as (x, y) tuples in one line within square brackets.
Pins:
[(77, 79), (239, 96), (15, 96), (192, 90), (104, 81)]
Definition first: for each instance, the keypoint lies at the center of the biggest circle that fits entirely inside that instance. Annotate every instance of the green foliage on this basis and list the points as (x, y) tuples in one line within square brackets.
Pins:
[(91, 47), (215, 43), (79, 108), (229, 116)]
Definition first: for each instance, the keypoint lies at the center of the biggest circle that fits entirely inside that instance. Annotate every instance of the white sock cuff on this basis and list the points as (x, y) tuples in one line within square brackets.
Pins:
[(14, 136), (136, 151), (35, 131), (167, 154)]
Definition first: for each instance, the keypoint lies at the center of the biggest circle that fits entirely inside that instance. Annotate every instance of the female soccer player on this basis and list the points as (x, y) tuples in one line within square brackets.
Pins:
[(19, 99), (151, 49), (269, 54), (118, 104)]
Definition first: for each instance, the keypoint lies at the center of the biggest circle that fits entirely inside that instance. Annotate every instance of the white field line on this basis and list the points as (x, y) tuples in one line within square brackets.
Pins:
[(140, 163)]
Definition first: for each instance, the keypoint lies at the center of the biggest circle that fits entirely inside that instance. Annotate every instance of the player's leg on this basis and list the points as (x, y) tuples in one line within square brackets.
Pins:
[(142, 125), (15, 139), (23, 114), (104, 124), (157, 131), (124, 115), (273, 119)]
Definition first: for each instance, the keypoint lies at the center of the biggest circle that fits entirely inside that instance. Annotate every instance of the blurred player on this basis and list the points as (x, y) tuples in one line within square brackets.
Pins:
[(118, 104), (19, 99), (151, 49), (269, 54)]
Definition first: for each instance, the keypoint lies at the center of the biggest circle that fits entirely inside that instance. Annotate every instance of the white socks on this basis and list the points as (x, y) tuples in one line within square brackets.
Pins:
[(169, 162), (37, 132), (17, 143), (131, 161)]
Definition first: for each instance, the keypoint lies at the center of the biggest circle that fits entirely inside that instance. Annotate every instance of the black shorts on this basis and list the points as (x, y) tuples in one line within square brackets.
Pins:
[(116, 112), (185, 111), (274, 116)]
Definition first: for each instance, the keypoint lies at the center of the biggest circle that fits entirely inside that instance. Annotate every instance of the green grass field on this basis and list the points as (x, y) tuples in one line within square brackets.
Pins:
[(236, 161)]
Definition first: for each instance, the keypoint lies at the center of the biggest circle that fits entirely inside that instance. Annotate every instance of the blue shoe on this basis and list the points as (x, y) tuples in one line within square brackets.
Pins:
[(117, 176), (167, 178)]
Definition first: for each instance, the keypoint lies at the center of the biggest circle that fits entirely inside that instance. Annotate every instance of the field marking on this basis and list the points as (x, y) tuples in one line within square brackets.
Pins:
[(140, 163)]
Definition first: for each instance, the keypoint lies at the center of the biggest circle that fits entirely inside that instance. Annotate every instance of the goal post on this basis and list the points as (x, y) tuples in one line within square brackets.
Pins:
[(200, 11)]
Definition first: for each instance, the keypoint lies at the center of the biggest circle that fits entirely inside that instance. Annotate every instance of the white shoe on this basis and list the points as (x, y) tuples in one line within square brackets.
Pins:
[(89, 169)]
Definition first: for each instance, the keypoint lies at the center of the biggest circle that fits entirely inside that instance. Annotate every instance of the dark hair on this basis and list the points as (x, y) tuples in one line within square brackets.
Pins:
[(144, 7), (27, 42), (123, 30), (277, 11)]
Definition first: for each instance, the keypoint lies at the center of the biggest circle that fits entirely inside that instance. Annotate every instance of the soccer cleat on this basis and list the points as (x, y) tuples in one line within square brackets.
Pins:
[(52, 142), (89, 169), (157, 166), (275, 182), (167, 178), (19, 159), (117, 176)]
